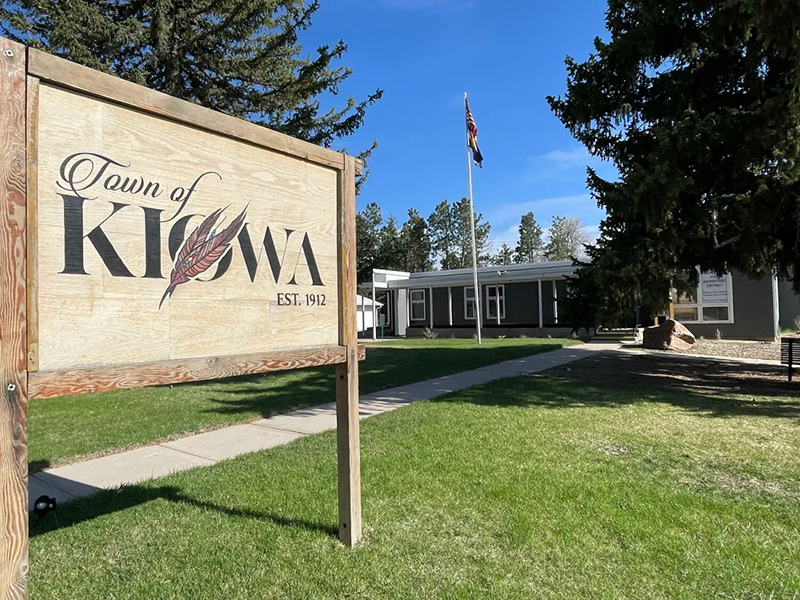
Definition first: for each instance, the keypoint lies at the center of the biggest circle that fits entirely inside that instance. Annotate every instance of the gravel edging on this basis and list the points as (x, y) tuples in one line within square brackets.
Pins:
[(769, 351)]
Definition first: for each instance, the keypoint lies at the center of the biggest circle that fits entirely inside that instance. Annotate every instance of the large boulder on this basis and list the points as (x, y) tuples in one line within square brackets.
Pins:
[(670, 335)]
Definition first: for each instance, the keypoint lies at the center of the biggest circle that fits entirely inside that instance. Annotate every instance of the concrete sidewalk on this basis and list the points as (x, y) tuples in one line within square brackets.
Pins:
[(133, 466)]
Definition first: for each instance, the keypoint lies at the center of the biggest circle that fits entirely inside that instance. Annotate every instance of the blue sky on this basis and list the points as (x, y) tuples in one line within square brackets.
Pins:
[(508, 56)]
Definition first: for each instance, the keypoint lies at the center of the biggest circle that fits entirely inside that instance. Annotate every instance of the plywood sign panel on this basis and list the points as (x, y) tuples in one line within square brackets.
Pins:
[(160, 241)]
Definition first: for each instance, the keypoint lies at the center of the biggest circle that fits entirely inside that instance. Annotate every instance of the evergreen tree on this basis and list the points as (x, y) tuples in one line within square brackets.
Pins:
[(504, 256), (530, 247), (442, 229), (697, 104), (416, 244), (239, 58), (391, 254), (451, 239), (463, 228), (557, 247), (368, 238)]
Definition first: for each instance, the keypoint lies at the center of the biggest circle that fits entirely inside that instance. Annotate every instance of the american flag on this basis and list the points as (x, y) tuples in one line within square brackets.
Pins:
[(472, 137)]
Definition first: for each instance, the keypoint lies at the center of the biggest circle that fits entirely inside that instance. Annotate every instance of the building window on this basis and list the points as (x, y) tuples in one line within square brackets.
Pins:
[(495, 295), (385, 314), (385, 310), (417, 305), (470, 310), (555, 302), (710, 302)]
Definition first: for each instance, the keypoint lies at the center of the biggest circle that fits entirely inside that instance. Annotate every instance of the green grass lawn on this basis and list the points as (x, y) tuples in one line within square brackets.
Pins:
[(63, 428), (622, 483)]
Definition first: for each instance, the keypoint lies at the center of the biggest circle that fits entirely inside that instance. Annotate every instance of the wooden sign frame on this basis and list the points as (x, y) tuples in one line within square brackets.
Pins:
[(21, 71)]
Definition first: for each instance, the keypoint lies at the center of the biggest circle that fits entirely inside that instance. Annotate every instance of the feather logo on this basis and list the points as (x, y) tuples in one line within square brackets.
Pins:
[(202, 249)]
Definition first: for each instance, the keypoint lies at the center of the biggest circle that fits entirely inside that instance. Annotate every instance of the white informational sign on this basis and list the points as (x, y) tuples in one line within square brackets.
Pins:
[(714, 289)]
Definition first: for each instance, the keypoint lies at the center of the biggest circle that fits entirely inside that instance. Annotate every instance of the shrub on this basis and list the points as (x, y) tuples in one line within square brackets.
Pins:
[(430, 334)]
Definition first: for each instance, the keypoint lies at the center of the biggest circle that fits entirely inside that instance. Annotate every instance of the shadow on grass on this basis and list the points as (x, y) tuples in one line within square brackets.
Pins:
[(38, 465), (384, 368), (710, 388), (111, 501), (227, 401)]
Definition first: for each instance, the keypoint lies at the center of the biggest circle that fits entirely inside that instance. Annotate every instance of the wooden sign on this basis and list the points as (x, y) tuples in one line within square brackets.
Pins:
[(162, 241), (145, 240)]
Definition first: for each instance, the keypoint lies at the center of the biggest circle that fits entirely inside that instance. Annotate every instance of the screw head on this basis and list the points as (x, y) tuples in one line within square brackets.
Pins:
[(9, 53), (11, 387)]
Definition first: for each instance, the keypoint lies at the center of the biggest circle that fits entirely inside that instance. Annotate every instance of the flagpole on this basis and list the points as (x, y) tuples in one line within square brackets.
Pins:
[(472, 231)]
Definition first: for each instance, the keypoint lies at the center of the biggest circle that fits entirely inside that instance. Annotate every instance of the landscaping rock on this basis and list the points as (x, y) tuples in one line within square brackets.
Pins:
[(670, 335)]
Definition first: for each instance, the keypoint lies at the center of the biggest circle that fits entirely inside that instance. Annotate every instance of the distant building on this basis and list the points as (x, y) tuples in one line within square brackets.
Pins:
[(515, 300), (365, 313), (529, 300), (733, 305)]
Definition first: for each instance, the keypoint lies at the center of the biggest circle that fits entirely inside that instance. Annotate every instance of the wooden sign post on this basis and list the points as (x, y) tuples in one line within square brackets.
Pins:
[(145, 240)]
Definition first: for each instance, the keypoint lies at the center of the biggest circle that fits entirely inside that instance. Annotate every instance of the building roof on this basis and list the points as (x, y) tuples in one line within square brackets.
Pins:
[(365, 301), (458, 277)]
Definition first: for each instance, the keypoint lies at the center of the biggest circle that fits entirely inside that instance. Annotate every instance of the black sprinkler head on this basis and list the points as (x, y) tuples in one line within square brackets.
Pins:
[(43, 505)]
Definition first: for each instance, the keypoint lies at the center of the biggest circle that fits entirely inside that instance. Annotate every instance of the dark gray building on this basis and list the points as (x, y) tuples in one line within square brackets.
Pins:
[(788, 306), (514, 300), (524, 300), (732, 306)]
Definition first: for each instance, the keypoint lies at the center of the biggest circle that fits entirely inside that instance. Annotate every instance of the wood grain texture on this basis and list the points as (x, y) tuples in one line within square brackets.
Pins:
[(347, 417), (77, 77), (119, 320), (13, 335), (32, 215), (51, 384), (348, 326)]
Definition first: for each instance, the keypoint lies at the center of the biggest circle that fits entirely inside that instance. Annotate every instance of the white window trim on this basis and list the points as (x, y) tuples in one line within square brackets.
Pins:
[(388, 307), (500, 290), (385, 309), (700, 305), (412, 302), (474, 299), (555, 303)]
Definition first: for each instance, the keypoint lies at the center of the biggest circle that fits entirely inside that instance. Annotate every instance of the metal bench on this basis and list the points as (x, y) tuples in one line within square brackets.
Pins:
[(788, 353)]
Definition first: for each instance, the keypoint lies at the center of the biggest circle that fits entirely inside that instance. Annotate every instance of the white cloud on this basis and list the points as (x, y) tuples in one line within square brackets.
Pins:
[(543, 209), (569, 163), (505, 217), (508, 236), (563, 170), (566, 159), (593, 232)]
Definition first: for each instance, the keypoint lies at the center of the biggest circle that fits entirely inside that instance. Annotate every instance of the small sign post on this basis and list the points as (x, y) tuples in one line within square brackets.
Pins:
[(184, 245)]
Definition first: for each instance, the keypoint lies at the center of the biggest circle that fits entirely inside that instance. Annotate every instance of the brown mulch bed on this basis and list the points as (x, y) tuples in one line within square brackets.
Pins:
[(732, 349), (711, 378)]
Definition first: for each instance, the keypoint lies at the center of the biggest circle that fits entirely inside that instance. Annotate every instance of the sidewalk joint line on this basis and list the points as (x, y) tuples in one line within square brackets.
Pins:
[(281, 429), (213, 461)]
